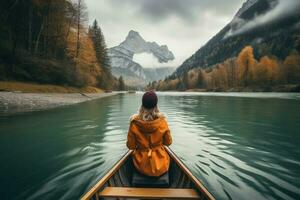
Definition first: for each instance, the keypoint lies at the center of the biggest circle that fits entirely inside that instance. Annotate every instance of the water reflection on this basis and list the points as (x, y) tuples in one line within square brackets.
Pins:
[(241, 148), (242, 143)]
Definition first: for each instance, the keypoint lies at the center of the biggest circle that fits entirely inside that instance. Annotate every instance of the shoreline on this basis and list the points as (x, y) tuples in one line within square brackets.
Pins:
[(18, 102)]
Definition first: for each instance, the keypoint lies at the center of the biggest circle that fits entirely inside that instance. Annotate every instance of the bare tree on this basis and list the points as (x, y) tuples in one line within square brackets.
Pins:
[(70, 15), (29, 27), (81, 19)]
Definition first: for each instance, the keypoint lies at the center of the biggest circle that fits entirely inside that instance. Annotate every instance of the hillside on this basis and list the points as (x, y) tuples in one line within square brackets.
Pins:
[(257, 51), (258, 24), (48, 42)]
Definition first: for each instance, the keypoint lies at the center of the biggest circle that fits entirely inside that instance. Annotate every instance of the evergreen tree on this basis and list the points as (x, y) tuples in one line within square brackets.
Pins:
[(100, 46), (185, 81), (200, 81), (121, 83)]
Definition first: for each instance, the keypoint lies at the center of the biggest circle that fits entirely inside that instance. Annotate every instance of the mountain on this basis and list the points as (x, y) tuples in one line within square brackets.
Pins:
[(122, 58), (271, 27), (151, 74)]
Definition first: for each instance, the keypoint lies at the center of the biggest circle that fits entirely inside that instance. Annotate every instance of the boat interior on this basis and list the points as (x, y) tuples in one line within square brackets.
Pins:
[(124, 182)]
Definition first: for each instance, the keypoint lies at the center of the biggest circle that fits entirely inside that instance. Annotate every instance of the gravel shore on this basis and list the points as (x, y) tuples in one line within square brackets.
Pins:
[(13, 102)]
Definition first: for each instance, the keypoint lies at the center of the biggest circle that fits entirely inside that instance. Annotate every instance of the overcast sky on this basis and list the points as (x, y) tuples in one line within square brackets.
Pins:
[(183, 25)]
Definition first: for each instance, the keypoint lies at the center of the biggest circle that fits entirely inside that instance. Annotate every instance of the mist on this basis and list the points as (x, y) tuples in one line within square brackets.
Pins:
[(282, 9), (148, 60)]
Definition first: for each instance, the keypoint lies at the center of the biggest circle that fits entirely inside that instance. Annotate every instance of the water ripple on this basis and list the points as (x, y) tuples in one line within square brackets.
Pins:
[(240, 145)]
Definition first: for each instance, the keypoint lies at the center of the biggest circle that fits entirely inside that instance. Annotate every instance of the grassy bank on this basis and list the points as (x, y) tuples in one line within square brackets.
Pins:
[(44, 88)]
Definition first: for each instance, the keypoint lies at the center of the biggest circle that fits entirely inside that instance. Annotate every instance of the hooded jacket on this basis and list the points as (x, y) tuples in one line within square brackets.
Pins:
[(147, 139)]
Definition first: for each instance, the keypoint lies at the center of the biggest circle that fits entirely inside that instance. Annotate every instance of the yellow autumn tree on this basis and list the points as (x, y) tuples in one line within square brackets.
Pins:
[(223, 76), (230, 67), (173, 84), (245, 66), (215, 81), (88, 69), (192, 79), (267, 71), (292, 68)]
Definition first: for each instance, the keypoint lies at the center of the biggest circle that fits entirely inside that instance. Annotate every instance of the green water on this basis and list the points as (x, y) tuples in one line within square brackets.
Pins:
[(241, 146)]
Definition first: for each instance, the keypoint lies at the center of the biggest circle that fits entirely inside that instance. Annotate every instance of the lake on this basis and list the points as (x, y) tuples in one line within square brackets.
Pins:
[(240, 145)]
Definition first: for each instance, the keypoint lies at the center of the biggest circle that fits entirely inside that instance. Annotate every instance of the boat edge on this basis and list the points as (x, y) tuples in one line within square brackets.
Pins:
[(92, 191)]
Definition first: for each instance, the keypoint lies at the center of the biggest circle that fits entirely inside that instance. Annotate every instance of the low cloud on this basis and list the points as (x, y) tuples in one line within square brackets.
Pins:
[(183, 25), (148, 60), (281, 10)]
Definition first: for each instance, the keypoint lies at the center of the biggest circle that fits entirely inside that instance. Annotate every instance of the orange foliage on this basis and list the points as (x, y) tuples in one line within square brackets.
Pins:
[(244, 71), (192, 79), (173, 84), (246, 64), (267, 70), (87, 67), (292, 68)]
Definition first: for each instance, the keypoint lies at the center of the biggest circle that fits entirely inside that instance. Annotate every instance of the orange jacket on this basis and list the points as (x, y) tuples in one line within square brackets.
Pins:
[(147, 138)]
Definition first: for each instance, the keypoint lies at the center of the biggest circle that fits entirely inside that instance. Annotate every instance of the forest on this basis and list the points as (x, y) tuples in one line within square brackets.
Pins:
[(243, 73), (50, 42)]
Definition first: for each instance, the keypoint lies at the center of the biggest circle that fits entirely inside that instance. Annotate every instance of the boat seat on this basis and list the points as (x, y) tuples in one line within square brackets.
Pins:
[(148, 193), (141, 180)]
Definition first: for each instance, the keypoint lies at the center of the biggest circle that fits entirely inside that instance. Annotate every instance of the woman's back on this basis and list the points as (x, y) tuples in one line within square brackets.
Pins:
[(147, 138)]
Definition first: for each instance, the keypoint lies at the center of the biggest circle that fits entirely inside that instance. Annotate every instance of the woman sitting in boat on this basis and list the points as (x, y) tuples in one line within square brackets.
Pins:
[(147, 135)]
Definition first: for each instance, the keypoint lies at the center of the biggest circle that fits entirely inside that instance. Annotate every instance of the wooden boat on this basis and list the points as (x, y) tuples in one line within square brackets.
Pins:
[(116, 184)]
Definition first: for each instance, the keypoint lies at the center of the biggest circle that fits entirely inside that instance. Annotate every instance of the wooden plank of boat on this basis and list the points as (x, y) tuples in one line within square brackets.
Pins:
[(149, 193), (116, 183)]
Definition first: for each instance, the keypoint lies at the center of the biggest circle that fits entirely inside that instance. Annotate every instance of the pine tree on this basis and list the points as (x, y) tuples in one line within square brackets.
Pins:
[(200, 81), (121, 83), (100, 46), (185, 81)]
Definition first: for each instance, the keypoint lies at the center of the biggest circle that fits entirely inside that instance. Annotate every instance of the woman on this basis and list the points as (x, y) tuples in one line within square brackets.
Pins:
[(147, 135)]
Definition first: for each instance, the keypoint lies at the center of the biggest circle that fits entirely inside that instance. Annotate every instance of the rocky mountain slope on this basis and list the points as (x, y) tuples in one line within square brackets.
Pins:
[(271, 27), (122, 59)]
